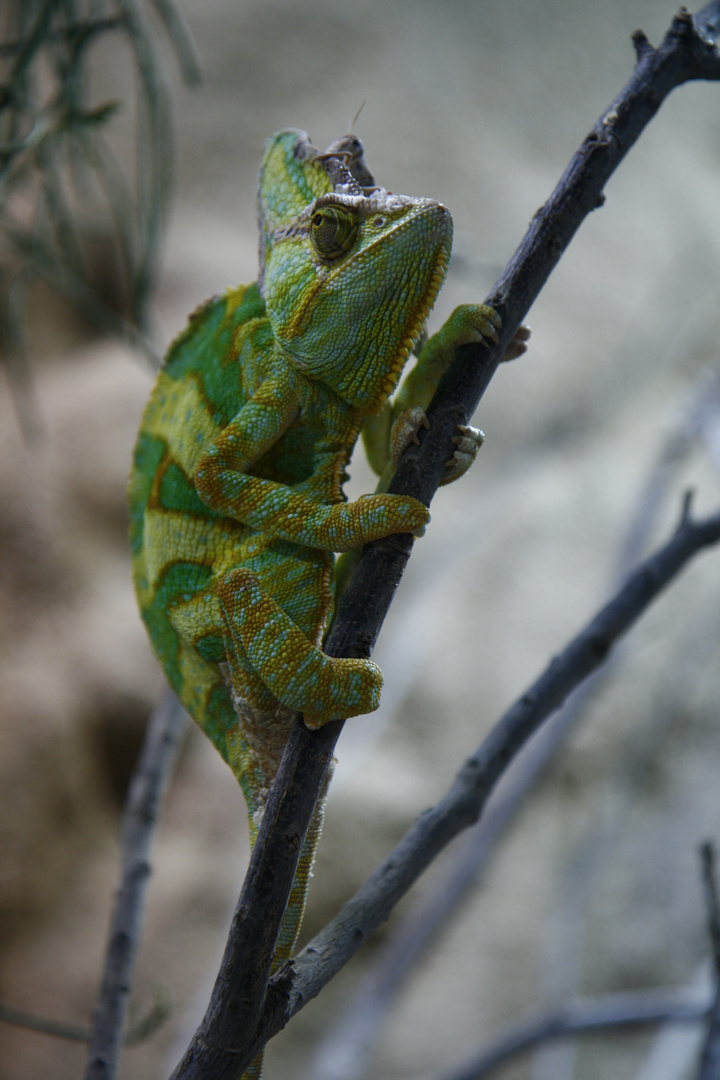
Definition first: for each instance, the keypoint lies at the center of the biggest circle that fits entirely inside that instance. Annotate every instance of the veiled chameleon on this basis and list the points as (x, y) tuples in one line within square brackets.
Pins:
[(236, 491)]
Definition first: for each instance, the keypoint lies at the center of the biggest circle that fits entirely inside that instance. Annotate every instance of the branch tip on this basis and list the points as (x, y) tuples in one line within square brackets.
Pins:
[(641, 44), (682, 23), (686, 509)]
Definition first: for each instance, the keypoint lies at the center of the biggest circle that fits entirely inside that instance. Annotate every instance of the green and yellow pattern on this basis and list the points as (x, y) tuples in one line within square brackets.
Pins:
[(236, 499)]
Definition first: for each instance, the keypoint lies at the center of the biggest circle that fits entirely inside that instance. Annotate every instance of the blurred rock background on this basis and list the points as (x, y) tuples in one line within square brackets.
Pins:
[(595, 887)]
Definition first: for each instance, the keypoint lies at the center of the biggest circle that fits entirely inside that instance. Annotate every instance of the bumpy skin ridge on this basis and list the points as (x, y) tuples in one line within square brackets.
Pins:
[(236, 499)]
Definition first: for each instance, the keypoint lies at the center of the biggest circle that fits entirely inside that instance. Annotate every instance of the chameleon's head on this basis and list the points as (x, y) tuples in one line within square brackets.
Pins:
[(350, 275)]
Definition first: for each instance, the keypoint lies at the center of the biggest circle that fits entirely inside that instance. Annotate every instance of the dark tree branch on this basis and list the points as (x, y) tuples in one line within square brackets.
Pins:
[(147, 787), (615, 1011), (710, 1058), (228, 1035)]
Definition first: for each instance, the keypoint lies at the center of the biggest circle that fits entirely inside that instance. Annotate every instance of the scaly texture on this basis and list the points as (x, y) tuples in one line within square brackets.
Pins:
[(236, 494)]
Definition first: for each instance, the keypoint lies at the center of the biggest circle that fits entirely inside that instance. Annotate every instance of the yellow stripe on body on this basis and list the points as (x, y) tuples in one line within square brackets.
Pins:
[(205, 541), (198, 681), (181, 416)]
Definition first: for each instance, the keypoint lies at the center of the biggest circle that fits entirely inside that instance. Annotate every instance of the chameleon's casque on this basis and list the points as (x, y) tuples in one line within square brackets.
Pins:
[(236, 497)]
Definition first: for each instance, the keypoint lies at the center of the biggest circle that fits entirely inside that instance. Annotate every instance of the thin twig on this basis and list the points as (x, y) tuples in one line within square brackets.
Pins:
[(230, 1032), (698, 412), (709, 1068), (178, 32), (142, 1029), (611, 1012), (149, 782), (708, 856)]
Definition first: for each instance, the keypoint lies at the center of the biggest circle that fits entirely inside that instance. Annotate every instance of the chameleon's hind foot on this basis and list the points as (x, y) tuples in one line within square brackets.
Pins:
[(467, 444), (299, 675), (405, 432)]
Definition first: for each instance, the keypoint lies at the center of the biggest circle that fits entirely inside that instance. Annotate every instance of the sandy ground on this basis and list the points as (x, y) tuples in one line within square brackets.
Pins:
[(595, 886)]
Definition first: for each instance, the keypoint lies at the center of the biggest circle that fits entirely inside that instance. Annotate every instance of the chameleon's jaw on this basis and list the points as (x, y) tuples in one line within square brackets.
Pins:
[(355, 321), (416, 320)]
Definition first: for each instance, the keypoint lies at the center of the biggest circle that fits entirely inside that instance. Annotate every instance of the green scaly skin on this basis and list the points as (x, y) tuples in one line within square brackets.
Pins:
[(236, 497)]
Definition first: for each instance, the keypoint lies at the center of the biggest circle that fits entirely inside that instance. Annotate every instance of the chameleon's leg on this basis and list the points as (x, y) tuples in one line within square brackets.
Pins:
[(388, 436), (224, 483), (468, 324), (299, 675)]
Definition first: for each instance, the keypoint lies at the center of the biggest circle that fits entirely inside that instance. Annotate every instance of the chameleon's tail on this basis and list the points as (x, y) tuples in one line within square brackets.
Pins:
[(292, 919), (255, 1070)]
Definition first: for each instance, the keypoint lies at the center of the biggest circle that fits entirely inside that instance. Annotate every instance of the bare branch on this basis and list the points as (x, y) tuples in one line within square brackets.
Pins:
[(149, 782), (611, 1012), (146, 1026)]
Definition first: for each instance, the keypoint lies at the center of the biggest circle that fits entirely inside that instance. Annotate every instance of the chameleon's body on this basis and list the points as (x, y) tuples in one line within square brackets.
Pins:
[(236, 491)]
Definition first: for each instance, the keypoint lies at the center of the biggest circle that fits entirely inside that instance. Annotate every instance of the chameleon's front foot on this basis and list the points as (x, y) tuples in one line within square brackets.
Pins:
[(471, 324), (297, 673), (479, 324), (372, 517)]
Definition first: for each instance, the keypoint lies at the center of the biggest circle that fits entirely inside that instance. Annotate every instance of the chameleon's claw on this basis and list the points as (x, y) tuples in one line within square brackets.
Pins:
[(405, 431), (419, 533), (489, 335), (468, 442), (472, 324)]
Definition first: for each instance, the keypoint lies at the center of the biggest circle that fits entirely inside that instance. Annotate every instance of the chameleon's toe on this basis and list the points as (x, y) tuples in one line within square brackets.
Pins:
[(343, 688), (469, 440), (518, 344), (382, 515), (405, 431), (467, 444), (473, 324)]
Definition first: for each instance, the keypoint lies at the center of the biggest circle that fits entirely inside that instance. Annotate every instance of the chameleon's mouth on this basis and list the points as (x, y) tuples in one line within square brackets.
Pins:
[(416, 323), (418, 314)]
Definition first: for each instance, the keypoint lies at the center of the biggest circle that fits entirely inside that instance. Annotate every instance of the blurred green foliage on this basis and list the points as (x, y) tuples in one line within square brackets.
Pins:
[(80, 175)]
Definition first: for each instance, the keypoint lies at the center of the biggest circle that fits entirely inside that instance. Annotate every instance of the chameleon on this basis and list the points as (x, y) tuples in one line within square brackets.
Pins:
[(236, 491)]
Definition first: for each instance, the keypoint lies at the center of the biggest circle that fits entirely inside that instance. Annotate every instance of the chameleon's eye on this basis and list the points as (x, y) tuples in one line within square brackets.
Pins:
[(333, 230)]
